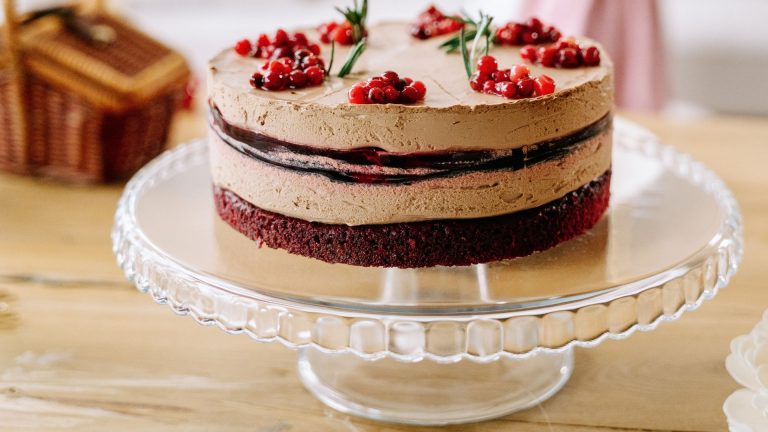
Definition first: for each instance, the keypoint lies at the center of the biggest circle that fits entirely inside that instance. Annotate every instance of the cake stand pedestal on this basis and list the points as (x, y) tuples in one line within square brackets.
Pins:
[(440, 345)]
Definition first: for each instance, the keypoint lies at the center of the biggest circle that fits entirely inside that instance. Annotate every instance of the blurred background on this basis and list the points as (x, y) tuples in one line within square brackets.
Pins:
[(712, 54)]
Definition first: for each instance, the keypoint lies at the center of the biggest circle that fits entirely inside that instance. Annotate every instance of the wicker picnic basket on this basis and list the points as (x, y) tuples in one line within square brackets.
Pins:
[(83, 96)]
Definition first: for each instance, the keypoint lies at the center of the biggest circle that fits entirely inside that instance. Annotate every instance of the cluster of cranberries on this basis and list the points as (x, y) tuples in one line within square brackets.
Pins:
[(302, 70), (533, 32), (339, 32), (387, 88), (432, 22), (514, 83), (567, 54), (281, 45)]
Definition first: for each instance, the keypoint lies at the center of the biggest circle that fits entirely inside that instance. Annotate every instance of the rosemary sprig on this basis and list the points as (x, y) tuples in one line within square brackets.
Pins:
[(330, 63), (352, 57), (356, 16), (483, 32), (464, 53), (454, 44)]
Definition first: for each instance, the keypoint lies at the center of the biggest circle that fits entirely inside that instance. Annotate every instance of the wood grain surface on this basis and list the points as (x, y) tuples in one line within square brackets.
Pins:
[(81, 350)]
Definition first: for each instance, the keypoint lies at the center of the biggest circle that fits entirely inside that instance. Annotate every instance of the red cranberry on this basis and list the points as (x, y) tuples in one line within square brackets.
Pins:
[(315, 75), (525, 87), (391, 77), (531, 37), (343, 35), (517, 33), (391, 95), (314, 49), (310, 61), (477, 80), (324, 30), (387, 88), (419, 31), (421, 88), (487, 65), (263, 41), (432, 22), (532, 32), (548, 56), (298, 79), (489, 87), (544, 85), (287, 62), (358, 94), (281, 52), (448, 25), (257, 80), (552, 33), (528, 52), (535, 24), (376, 95), (376, 82), (276, 66), (504, 36), (274, 81), (301, 54), (299, 39), (501, 75), (281, 37), (568, 58), (519, 72), (409, 95), (244, 47), (591, 56), (506, 89)]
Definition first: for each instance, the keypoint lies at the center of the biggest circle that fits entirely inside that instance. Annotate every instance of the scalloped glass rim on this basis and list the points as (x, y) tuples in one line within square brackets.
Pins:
[(517, 332)]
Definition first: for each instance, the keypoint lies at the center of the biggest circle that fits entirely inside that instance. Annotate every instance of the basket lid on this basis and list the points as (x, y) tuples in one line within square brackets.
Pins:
[(128, 71)]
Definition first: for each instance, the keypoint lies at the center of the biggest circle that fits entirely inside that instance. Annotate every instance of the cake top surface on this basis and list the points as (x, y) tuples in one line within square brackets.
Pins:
[(451, 117), (391, 47)]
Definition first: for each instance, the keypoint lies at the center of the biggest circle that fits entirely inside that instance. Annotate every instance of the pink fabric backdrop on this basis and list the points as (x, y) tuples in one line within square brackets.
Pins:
[(630, 32)]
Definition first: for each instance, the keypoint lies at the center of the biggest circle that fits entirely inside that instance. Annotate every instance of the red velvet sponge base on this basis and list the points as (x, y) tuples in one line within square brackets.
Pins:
[(453, 242)]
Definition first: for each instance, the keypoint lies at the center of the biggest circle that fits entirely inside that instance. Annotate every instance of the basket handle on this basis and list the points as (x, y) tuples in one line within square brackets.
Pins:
[(10, 31), (19, 146)]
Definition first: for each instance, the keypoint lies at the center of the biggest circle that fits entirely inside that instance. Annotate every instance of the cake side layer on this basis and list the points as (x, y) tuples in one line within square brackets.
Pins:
[(423, 244), (452, 117), (373, 165), (313, 197)]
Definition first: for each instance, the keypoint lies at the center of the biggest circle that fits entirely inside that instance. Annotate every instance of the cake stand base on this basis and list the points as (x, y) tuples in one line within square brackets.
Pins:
[(428, 393)]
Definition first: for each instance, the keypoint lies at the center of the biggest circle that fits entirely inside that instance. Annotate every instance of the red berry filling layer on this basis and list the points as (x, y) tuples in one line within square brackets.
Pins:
[(432, 22), (567, 54), (514, 83), (450, 242), (533, 32), (281, 45), (387, 88)]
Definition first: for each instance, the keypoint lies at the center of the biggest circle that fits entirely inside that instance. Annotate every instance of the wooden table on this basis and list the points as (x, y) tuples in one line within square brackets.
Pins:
[(81, 350)]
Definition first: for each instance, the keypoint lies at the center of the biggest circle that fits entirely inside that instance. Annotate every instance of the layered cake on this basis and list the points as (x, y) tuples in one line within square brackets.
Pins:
[(462, 173)]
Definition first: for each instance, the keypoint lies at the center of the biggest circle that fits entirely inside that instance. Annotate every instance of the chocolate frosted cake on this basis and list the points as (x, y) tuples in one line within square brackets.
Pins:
[(454, 177)]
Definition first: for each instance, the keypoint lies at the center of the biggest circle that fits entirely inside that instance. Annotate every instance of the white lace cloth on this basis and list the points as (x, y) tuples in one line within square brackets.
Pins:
[(747, 409)]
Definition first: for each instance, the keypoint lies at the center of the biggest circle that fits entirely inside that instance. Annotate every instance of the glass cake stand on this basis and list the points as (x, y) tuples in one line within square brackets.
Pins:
[(440, 345)]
